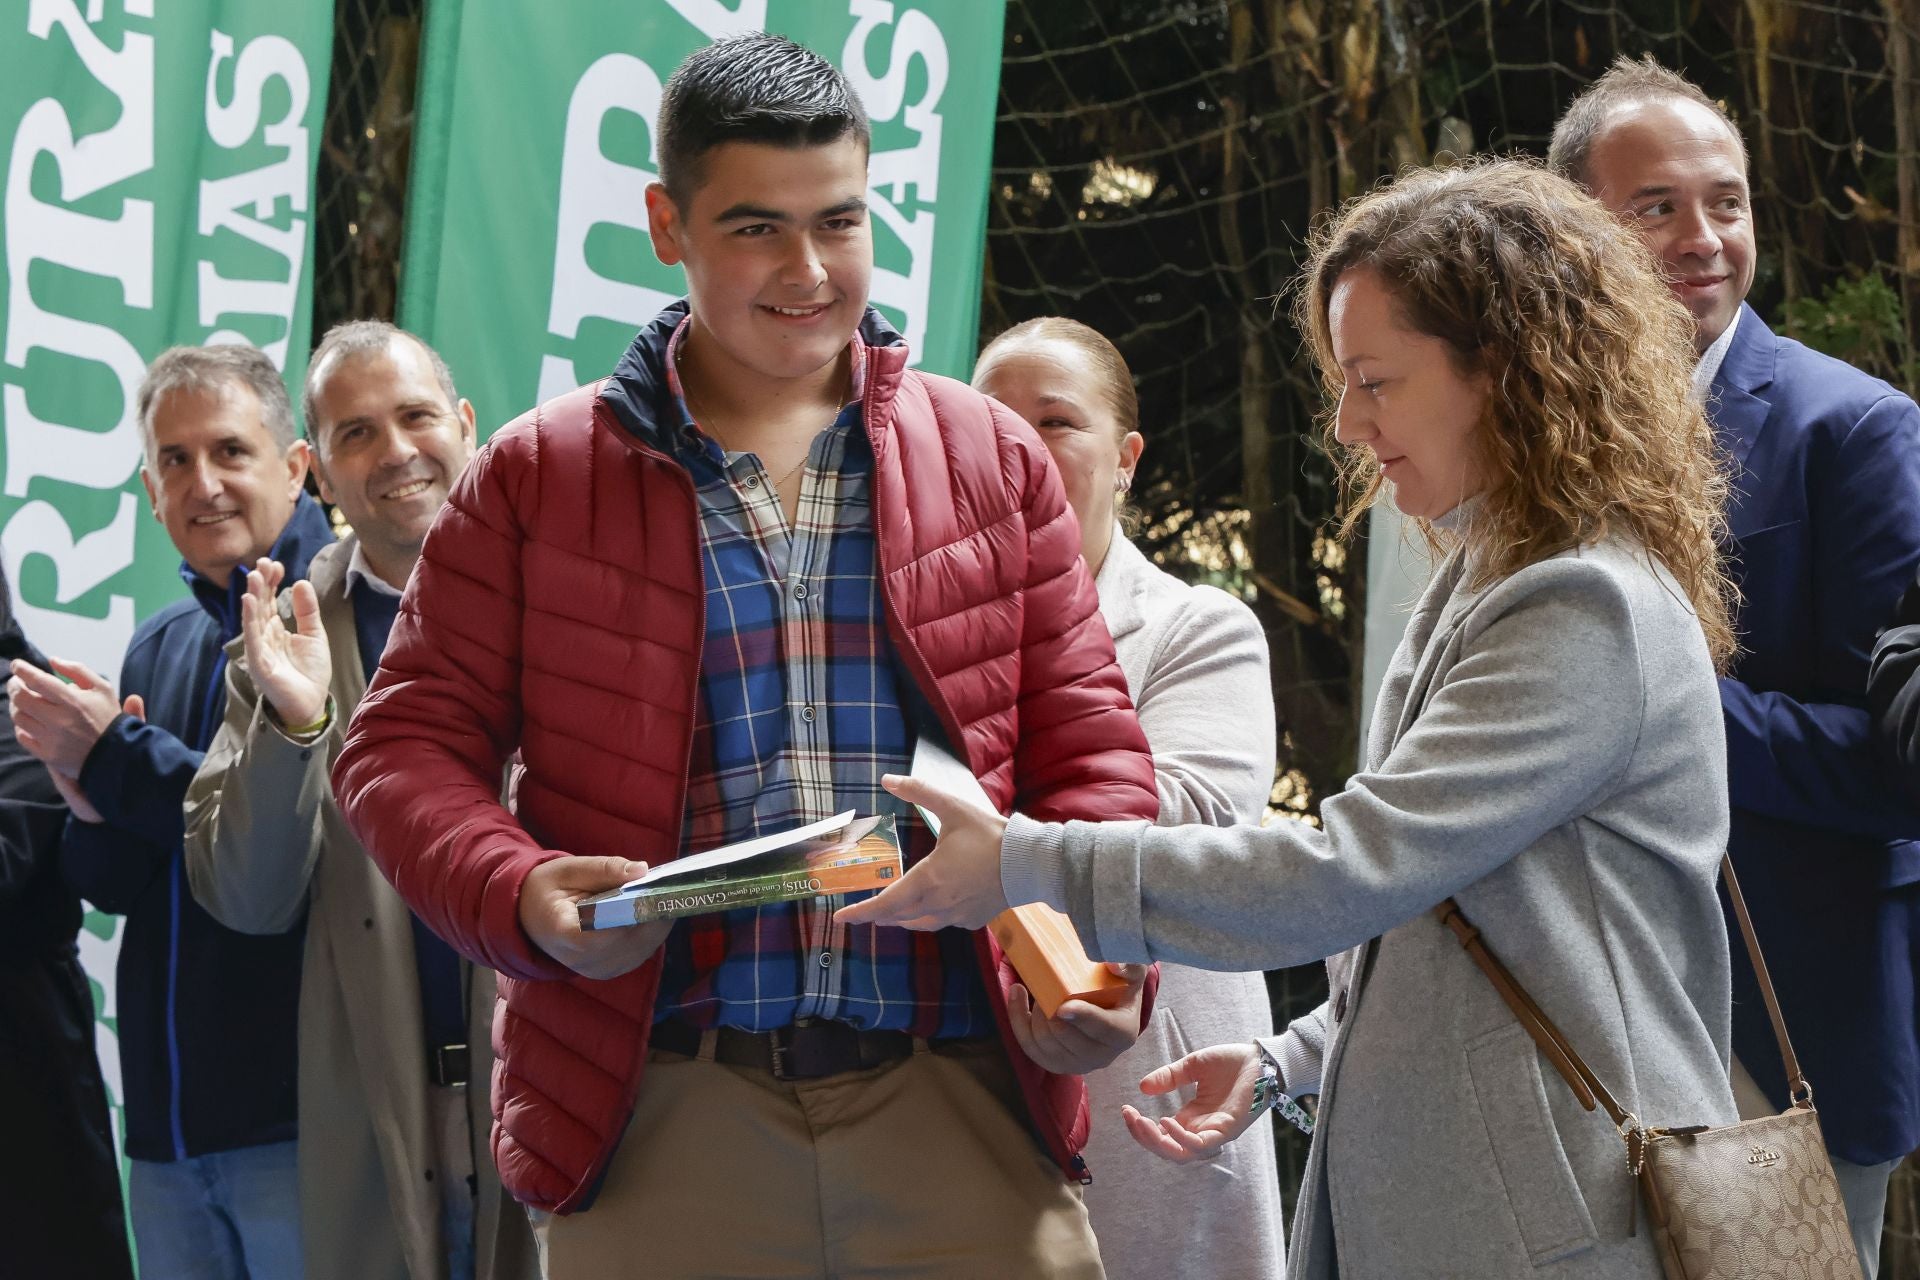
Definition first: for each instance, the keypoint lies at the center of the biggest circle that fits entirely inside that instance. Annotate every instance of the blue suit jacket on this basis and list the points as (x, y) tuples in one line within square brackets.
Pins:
[(1825, 522)]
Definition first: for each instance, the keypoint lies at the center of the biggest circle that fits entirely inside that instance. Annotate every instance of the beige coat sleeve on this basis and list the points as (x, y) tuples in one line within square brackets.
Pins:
[(254, 811)]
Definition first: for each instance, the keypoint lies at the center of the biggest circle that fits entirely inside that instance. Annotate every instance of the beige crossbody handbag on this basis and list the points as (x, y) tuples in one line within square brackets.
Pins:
[(1733, 1202)]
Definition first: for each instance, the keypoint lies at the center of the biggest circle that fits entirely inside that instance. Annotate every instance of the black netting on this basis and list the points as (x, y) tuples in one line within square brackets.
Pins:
[(1156, 165), (366, 141)]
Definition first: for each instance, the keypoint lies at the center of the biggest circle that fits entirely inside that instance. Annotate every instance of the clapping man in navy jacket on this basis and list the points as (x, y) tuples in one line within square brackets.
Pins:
[(207, 1015), (1825, 532)]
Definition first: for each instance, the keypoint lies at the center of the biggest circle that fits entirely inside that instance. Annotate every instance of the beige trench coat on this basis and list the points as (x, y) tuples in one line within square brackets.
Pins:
[(265, 842)]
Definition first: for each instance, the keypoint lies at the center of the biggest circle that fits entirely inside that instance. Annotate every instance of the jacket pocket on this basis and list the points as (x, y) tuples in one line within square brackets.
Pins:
[(1504, 1068)]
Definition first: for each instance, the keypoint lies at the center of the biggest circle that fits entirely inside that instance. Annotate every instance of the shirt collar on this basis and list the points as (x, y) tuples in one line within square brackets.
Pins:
[(1456, 520), (359, 571), (1712, 358), (856, 393), (1121, 583)]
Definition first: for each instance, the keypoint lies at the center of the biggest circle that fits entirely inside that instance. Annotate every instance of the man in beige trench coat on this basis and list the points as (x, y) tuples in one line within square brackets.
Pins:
[(396, 1179)]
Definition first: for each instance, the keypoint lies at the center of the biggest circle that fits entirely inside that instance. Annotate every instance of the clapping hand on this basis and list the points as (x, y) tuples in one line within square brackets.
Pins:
[(290, 668), (59, 721), (1221, 1109)]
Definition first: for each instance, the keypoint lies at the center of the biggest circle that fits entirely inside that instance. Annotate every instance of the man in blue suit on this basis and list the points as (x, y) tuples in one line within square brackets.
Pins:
[(1825, 525)]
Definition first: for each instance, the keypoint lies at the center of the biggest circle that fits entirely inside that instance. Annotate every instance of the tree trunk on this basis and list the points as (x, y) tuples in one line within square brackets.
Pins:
[(1903, 61)]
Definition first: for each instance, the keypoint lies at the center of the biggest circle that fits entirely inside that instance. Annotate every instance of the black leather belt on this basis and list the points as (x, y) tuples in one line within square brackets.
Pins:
[(808, 1050), (448, 1064)]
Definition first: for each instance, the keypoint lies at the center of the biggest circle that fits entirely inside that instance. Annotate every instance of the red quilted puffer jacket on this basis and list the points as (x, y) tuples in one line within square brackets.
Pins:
[(558, 609)]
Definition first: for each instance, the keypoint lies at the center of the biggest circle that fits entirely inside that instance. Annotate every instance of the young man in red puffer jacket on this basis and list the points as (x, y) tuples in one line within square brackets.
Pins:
[(713, 597)]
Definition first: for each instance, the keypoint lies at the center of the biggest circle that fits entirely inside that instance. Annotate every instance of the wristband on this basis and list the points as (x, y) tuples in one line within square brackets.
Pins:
[(1267, 1093), (308, 730)]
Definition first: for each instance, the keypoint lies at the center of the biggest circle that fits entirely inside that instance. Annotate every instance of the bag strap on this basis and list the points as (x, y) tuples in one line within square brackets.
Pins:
[(1798, 1090), (1572, 1068)]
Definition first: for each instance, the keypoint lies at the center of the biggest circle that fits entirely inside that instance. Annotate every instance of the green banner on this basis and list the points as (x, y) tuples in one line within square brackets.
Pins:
[(159, 169), (527, 261), (159, 190)]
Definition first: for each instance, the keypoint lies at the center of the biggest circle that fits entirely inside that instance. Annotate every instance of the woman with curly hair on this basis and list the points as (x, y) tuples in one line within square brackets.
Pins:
[(1546, 749)]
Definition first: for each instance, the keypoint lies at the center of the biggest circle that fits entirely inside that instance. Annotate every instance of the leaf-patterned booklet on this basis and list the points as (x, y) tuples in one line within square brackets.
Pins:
[(841, 854)]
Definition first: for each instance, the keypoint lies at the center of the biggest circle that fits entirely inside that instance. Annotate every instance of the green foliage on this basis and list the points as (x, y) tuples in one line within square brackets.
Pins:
[(1858, 319)]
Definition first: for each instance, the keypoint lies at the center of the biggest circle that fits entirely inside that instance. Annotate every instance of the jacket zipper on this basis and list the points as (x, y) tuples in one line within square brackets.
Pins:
[(173, 1023), (209, 706), (699, 645), (1053, 1134), (620, 434)]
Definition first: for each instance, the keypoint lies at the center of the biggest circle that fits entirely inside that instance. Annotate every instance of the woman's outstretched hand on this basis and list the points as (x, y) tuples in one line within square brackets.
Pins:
[(958, 884), (1222, 1106)]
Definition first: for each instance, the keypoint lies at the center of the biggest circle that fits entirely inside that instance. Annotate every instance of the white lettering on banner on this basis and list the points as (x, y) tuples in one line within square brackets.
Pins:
[(120, 249), (114, 248), (79, 566), (97, 956), (596, 190), (916, 169), (125, 150), (232, 125), (716, 22)]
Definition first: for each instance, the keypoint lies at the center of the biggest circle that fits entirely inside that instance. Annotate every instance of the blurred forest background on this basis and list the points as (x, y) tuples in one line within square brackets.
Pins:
[(1156, 166)]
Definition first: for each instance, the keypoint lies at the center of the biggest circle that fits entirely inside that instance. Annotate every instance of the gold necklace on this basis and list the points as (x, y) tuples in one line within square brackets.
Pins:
[(705, 422)]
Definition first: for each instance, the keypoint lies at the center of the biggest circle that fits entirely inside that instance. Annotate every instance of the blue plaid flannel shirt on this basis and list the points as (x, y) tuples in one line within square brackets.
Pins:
[(800, 713)]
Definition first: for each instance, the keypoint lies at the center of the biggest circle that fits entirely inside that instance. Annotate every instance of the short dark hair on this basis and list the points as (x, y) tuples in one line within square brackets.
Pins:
[(1627, 83), (752, 88), (214, 371), (358, 338)]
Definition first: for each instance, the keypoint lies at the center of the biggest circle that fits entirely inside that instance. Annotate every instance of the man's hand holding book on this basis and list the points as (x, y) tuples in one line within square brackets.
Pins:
[(1081, 1036), (550, 913)]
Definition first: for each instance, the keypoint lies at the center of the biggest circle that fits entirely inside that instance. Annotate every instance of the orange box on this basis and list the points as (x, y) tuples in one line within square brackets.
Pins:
[(1046, 953)]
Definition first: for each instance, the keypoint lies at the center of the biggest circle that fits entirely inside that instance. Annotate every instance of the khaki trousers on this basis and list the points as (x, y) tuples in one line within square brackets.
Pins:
[(917, 1168)]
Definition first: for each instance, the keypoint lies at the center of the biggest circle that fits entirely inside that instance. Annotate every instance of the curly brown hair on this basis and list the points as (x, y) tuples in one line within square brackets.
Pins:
[(1591, 426)]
